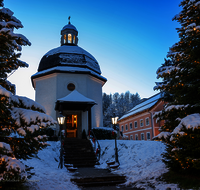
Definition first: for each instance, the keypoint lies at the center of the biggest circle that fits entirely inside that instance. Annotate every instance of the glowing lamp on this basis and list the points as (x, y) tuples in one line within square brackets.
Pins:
[(61, 119)]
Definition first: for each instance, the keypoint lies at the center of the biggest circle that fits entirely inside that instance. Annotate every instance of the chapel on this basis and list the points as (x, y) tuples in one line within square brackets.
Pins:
[(69, 81)]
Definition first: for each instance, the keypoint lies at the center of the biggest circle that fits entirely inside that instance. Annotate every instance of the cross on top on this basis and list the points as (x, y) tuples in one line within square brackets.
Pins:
[(69, 19)]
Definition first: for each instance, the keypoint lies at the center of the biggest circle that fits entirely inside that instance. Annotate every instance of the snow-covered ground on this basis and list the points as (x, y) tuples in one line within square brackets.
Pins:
[(47, 174), (140, 161)]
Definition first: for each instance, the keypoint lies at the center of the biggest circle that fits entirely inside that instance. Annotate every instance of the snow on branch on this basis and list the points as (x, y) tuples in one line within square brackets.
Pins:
[(29, 103), (29, 116), (5, 146), (169, 108), (6, 11), (33, 128), (165, 70), (13, 163), (163, 135), (8, 94), (190, 122)]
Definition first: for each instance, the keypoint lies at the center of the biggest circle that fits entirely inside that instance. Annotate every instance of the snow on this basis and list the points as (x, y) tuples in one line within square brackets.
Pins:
[(75, 96), (143, 106), (163, 134), (69, 49), (5, 146), (190, 122), (21, 131), (198, 3), (6, 11), (29, 116), (33, 128), (70, 69), (69, 26), (8, 94), (47, 174), (140, 161), (29, 103)]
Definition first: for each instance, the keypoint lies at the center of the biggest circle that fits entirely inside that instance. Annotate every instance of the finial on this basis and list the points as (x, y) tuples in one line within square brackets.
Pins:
[(69, 19)]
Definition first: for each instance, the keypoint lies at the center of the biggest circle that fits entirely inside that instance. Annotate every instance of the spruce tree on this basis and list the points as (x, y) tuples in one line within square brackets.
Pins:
[(180, 88), (21, 119)]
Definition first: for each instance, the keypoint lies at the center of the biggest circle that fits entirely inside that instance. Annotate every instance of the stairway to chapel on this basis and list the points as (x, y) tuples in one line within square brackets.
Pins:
[(79, 152)]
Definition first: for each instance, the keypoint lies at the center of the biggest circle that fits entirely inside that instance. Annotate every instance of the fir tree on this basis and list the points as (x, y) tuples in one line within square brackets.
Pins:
[(180, 88), (21, 119)]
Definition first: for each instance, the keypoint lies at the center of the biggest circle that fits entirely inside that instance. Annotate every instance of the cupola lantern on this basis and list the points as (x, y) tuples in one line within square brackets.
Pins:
[(69, 34)]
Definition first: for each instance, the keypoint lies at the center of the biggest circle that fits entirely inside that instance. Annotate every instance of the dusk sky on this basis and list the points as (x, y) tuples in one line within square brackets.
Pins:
[(129, 38)]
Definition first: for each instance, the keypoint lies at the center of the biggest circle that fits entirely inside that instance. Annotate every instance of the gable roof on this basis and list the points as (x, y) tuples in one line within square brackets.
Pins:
[(143, 105), (76, 96)]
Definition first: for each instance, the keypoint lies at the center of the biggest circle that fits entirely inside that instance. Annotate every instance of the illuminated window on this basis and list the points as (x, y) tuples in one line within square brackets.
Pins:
[(65, 39), (69, 38)]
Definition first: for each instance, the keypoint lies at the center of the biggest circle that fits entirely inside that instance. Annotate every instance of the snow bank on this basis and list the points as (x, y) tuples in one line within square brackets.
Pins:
[(140, 161), (47, 174)]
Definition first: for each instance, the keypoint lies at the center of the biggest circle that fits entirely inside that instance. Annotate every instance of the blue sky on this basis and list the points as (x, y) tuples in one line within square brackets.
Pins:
[(129, 38)]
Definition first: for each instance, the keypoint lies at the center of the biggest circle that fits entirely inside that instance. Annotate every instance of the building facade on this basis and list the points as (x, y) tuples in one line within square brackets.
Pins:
[(138, 123), (69, 81)]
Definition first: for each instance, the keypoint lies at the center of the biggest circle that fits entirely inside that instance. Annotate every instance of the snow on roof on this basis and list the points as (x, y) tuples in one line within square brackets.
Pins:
[(69, 49), (75, 96), (70, 69), (143, 106), (69, 26)]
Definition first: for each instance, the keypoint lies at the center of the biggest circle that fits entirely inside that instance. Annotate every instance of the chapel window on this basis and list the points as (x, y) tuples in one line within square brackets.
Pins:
[(65, 39), (69, 38)]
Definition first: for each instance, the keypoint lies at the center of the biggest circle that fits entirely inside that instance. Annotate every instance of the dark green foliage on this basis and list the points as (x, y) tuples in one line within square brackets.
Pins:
[(184, 181), (21, 118), (180, 88), (102, 134)]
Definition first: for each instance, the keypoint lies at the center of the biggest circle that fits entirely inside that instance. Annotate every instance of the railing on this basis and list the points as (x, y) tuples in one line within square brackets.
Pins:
[(95, 144)]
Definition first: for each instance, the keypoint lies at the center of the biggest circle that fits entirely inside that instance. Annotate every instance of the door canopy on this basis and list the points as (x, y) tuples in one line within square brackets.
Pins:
[(74, 101)]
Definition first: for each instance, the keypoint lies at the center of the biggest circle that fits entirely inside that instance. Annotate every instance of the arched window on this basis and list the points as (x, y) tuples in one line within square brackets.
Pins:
[(69, 38), (65, 39)]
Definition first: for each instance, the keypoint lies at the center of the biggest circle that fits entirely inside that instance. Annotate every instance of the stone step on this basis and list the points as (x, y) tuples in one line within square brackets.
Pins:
[(79, 152), (99, 181)]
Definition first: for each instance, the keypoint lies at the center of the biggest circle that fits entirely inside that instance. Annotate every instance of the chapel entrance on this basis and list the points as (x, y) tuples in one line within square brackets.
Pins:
[(71, 125)]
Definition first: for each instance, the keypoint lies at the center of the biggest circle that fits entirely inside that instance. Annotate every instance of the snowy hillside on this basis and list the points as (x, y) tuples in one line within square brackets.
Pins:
[(140, 161)]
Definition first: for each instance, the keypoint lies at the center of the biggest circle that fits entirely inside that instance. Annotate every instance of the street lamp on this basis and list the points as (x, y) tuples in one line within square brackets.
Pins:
[(61, 121), (114, 122)]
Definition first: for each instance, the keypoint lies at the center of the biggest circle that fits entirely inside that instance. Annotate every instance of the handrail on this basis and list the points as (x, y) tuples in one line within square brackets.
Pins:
[(96, 150)]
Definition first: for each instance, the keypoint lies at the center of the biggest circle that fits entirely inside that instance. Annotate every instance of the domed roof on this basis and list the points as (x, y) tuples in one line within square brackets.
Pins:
[(69, 26), (73, 56)]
